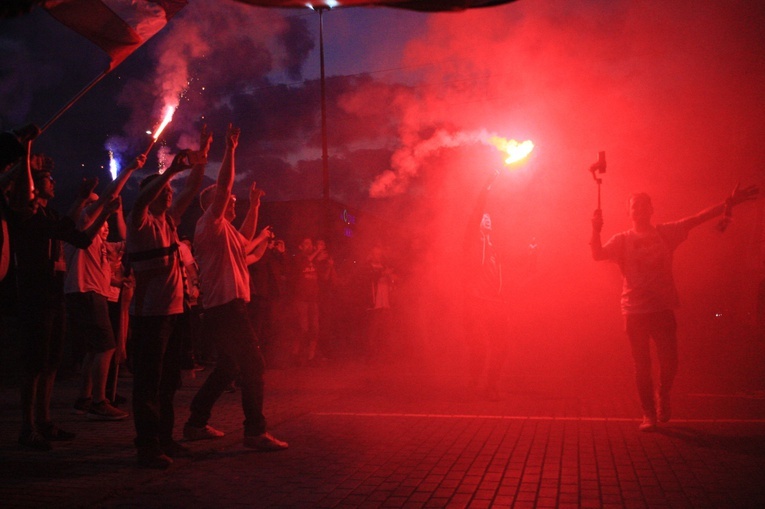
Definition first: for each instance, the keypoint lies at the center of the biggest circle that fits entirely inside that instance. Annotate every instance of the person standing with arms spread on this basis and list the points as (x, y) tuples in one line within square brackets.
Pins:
[(152, 247), (649, 297), (223, 253)]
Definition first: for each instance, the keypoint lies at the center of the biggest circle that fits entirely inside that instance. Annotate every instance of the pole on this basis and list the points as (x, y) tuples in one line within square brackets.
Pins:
[(324, 155), (74, 100)]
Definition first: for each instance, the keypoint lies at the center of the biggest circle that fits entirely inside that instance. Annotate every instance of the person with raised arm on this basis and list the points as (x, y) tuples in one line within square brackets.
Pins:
[(649, 298), (222, 254), (86, 290), (152, 251), (37, 232)]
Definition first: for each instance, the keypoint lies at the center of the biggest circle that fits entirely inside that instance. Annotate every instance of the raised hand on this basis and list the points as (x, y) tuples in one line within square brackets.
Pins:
[(180, 162), (741, 195), (205, 140), (597, 221), (232, 136), (255, 193)]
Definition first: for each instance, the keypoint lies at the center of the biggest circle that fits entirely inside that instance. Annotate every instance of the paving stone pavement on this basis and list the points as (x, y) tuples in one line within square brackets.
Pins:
[(403, 437)]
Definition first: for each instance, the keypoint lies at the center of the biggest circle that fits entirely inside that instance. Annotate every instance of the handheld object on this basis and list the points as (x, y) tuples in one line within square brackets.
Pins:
[(599, 167)]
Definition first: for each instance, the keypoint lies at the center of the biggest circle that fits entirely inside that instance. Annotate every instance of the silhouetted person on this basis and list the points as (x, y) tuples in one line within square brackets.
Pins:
[(152, 247), (485, 308), (37, 233), (649, 297)]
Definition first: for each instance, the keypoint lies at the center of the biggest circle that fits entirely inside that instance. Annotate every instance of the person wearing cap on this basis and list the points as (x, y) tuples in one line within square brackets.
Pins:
[(223, 254), (152, 251), (37, 233)]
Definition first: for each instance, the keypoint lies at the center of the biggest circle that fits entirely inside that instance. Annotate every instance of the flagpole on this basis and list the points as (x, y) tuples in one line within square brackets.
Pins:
[(75, 99)]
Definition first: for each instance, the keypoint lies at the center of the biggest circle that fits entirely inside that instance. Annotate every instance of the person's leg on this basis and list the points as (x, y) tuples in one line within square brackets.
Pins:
[(664, 333), (86, 384), (217, 382), (170, 382), (100, 374), (639, 336), (149, 341)]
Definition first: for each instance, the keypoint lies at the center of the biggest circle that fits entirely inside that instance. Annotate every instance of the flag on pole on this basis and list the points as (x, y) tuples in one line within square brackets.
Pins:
[(118, 27)]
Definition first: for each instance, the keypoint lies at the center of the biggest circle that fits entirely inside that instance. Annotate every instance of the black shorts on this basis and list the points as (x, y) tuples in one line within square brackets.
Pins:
[(88, 320)]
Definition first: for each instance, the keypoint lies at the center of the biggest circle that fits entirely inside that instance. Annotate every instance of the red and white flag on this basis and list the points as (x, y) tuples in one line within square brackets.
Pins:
[(118, 27)]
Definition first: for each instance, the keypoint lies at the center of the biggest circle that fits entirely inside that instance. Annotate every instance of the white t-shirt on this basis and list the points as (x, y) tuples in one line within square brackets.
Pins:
[(645, 260), (88, 269), (158, 280), (219, 249)]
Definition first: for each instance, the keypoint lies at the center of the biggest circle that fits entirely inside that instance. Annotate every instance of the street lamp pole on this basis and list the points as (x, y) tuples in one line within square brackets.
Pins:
[(324, 154)]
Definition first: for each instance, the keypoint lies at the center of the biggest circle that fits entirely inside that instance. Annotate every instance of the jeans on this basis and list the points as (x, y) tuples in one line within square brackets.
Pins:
[(662, 328), (238, 356), (156, 355)]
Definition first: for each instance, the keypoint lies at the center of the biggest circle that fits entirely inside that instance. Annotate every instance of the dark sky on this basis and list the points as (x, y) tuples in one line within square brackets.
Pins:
[(672, 91)]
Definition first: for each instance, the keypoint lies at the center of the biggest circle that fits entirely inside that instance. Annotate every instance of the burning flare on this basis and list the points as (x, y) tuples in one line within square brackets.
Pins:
[(515, 151), (169, 112), (113, 165)]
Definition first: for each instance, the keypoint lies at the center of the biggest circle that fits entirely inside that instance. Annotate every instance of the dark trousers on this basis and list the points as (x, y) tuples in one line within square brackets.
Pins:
[(662, 328), (238, 356), (156, 376)]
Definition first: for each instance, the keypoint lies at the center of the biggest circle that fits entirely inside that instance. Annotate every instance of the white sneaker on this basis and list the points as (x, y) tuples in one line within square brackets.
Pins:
[(648, 424), (264, 442), (192, 433)]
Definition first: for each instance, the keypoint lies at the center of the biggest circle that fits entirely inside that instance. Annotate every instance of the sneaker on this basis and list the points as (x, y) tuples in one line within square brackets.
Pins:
[(81, 406), (34, 440), (648, 424), (192, 433), (104, 411), (264, 442), (53, 433), (155, 459), (664, 409), (175, 450)]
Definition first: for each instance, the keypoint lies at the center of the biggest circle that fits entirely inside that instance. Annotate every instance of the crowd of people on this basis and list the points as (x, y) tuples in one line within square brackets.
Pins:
[(127, 292), (123, 291)]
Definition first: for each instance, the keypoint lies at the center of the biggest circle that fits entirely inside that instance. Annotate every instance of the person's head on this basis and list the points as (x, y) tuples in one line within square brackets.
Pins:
[(45, 186), (164, 199), (306, 246), (485, 223), (26, 133), (207, 196), (640, 209), (279, 246)]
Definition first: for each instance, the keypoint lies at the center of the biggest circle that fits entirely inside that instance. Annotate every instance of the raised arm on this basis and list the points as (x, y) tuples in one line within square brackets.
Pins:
[(149, 193), (194, 181), (250, 222), (595, 243), (226, 174), (106, 211), (736, 197), (257, 246), (113, 189)]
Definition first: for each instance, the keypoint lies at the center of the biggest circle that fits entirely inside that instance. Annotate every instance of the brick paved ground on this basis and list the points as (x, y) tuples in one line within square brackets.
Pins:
[(362, 437)]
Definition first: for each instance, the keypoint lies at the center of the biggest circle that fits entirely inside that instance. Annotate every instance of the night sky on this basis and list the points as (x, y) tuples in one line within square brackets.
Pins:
[(672, 91)]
